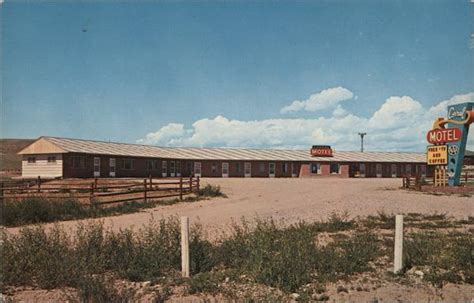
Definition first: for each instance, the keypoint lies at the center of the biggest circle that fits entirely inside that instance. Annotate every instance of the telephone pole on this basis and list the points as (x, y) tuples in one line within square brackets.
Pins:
[(362, 141)]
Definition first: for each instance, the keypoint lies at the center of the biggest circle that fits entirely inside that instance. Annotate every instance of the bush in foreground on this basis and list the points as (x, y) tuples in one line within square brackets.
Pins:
[(264, 251)]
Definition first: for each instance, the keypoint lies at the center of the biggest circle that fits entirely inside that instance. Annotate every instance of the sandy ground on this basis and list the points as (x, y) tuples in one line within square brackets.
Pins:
[(309, 199), (294, 199)]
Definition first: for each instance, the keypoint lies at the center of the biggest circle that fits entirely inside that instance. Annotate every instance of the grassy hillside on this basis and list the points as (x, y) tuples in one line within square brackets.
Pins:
[(9, 160)]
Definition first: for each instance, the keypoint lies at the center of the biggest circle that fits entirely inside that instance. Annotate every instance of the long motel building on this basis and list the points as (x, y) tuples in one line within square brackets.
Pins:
[(53, 157)]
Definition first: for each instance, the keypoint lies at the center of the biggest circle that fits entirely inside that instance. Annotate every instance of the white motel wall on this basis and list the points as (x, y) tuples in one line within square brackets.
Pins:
[(47, 166)]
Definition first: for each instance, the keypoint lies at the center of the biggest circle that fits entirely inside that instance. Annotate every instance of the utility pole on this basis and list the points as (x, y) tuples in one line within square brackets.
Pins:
[(362, 141)]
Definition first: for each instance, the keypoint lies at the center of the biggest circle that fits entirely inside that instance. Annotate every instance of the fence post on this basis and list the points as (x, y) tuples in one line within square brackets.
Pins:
[(95, 183), (398, 251), (39, 184), (198, 184), (91, 198), (191, 183), (185, 247), (1, 194), (151, 182), (144, 191), (181, 188)]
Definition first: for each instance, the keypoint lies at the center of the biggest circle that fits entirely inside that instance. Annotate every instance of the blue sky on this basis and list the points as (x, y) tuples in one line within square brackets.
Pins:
[(220, 73)]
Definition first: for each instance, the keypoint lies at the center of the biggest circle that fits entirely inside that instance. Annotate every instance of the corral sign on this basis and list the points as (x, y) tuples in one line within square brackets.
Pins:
[(437, 155)]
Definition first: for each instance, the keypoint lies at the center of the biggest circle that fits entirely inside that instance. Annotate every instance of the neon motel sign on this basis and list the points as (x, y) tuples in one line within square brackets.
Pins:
[(450, 140)]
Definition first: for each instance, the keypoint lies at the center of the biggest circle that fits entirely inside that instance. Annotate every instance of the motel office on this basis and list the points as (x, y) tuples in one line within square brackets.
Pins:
[(51, 157)]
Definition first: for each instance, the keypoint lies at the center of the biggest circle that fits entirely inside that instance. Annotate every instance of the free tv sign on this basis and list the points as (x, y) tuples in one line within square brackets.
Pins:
[(443, 135)]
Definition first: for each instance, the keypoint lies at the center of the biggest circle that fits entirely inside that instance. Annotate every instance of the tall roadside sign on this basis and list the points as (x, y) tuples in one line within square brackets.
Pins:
[(449, 138)]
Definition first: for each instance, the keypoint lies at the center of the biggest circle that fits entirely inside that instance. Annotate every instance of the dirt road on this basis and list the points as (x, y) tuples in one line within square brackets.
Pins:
[(294, 199)]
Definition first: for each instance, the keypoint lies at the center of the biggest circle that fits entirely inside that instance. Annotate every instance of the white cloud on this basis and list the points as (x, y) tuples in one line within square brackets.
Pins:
[(396, 112), (327, 98), (400, 123)]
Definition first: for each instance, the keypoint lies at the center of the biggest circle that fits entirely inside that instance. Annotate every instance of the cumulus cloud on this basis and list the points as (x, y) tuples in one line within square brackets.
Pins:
[(327, 98), (400, 123)]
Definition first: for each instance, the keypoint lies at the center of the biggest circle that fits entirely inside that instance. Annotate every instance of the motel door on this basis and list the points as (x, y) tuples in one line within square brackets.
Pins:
[(248, 169), (197, 169), (178, 168), (96, 166), (225, 170), (111, 167), (172, 169), (362, 170), (271, 170), (164, 169), (378, 170), (394, 170), (293, 170)]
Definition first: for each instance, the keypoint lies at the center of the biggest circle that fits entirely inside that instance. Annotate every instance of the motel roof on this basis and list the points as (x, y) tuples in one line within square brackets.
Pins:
[(46, 145)]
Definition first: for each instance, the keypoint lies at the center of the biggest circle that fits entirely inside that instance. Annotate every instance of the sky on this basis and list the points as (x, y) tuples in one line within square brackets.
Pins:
[(261, 74)]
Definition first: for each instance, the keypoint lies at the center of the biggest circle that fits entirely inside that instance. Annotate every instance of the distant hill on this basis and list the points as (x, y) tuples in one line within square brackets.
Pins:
[(9, 160)]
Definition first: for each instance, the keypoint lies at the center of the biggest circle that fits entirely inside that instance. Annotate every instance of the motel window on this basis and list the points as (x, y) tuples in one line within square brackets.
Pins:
[(31, 160), (189, 167), (408, 169), (262, 167), (78, 162), (238, 167), (214, 167), (172, 167), (152, 164), (128, 164), (51, 159), (285, 168), (315, 168), (178, 167), (334, 168)]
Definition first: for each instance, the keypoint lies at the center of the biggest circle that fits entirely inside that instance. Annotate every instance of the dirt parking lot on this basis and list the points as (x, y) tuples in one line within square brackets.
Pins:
[(295, 199)]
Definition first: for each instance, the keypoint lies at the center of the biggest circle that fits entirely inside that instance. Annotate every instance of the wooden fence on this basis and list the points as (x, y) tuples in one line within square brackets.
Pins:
[(117, 191), (410, 182)]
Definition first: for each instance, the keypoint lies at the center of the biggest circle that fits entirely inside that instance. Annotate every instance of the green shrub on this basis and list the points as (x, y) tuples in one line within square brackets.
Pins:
[(203, 282), (36, 209), (211, 191), (449, 257), (100, 289)]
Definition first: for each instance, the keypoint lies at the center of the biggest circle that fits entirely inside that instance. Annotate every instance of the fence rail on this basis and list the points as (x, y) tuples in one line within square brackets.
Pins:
[(94, 193), (410, 182)]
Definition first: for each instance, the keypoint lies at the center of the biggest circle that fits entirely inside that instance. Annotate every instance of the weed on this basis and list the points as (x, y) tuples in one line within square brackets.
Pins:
[(101, 289), (449, 256), (211, 191), (203, 282)]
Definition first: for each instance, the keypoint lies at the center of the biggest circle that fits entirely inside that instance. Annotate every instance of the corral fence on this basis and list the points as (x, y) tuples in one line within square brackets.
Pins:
[(99, 191), (416, 182)]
